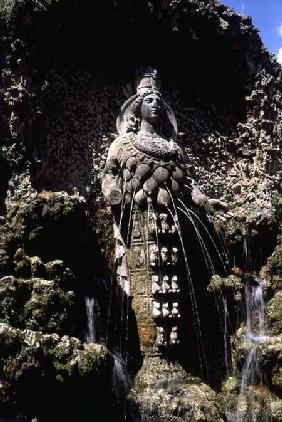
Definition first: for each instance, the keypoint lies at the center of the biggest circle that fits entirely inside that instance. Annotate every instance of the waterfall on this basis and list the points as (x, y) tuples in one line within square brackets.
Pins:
[(90, 334), (120, 378), (255, 333)]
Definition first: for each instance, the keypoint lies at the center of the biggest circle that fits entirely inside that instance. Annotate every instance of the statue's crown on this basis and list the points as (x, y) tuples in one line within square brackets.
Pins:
[(148, 81)]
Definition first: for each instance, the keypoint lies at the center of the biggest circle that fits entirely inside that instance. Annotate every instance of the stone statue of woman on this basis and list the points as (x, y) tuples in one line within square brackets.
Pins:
[(145, 172), (144, 163)]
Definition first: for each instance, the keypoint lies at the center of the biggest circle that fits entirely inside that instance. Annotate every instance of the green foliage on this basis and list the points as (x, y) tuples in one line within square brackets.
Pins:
[(6, 8), (63, 356), (49, 309), (276, 201), (104, 229), (10, 154)]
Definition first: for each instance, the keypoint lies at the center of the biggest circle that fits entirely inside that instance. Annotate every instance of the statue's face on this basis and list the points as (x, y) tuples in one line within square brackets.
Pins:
[(152, 107)]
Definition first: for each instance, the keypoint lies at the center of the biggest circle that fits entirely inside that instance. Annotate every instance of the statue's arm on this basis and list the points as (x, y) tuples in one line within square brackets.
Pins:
[(111, 182), (209, 204)]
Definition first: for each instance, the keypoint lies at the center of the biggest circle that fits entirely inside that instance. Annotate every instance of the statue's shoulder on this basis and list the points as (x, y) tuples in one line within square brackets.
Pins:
[(121, 143), (124, 139)]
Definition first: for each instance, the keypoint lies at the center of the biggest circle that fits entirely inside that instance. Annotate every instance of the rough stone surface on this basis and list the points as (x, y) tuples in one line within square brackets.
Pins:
[(60, 367), (57, 120), (166, 393)]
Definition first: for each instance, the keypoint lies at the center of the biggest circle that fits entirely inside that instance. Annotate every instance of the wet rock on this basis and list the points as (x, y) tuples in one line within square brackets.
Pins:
[(58, 121), (37, 267), (178, 174), (274, 314), (164, 392), (49, 308), (33, 361)]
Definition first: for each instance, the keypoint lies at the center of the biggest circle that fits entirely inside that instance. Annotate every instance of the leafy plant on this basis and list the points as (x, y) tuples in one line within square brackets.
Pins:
[(276, 201), (6, 8)]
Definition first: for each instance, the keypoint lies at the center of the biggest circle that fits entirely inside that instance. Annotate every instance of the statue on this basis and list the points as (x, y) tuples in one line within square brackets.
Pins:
[(165, 286), (156, 309), (174, 336), (145, 161), (145, 172), (174, 284), (156, 287)]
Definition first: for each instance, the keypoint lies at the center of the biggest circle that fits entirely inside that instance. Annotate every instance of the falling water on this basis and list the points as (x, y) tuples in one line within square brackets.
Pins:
[(227, 358), (122, 207), (255, 333), (193, 214), (130, 221), (221, 301), (90, 304), (120, 378), (197, 323), (206, 255), (255, 325)]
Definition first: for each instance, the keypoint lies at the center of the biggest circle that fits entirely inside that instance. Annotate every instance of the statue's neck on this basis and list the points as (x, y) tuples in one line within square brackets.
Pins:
[(149, 128)]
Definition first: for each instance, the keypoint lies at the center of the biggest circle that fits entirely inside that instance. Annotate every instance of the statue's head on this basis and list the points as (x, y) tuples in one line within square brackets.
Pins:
[(147, 104), (152, 108)]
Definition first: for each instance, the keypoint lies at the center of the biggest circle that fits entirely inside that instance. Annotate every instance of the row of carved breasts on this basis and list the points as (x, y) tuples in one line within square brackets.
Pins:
[(147, 179)]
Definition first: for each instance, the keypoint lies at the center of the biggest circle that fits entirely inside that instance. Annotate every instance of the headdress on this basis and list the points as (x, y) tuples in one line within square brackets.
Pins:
[(147, 84)]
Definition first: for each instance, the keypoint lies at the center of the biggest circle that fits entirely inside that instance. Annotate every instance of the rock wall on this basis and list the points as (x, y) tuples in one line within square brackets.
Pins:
[(66, 69)]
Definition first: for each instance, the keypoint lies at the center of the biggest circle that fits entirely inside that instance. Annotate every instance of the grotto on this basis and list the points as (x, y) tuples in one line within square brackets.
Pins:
[(140, 213)]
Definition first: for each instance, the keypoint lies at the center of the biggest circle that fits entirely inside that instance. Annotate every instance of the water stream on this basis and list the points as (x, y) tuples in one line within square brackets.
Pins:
[(90, 334), (197, 322), (211, 252), (120, 378), (220, 299), (251, 371)]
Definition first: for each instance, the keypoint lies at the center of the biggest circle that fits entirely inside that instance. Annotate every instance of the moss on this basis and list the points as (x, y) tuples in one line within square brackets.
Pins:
[(104, 229), (49, 308), (274, 314), (277, 379), (230, 282), (62, 275), (38, 304), (276, 201), (13, 294), (277, 260), (22, 266), (10, 154), (272, 271), (42, 369), (95, 357), (4, 262), (232, 384), (71, 360), (48, 224)]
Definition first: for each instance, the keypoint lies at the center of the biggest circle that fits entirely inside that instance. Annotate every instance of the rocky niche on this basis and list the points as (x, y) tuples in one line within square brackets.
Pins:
[(140, 237)]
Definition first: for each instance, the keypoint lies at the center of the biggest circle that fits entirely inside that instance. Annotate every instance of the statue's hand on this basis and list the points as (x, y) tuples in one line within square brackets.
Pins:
[(210, 204), (114, 197), (111, 189), (198, 197), (213, 205)]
